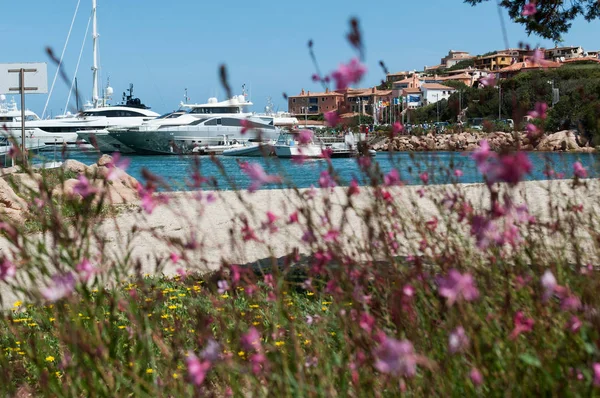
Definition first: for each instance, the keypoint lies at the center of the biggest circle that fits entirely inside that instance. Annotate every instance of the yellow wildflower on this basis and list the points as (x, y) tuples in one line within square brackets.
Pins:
[(324, 308), (32, 324), (255, 323), (122, 327), (224, 296), (279, 343), (310, 294), (172, 307), (17, 304), (175, 376), (241, 354), (306, 342), (51, 319), (149, 371), (50, 358), (254, 306)]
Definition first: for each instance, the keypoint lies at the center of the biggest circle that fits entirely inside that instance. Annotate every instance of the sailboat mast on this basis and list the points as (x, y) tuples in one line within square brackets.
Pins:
[(95, 96)]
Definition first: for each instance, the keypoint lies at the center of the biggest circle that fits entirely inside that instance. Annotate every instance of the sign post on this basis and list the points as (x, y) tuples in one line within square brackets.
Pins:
[(12, 80)]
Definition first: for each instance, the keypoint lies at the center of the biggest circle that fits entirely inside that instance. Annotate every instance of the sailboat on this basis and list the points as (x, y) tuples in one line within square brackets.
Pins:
[(97, 116)]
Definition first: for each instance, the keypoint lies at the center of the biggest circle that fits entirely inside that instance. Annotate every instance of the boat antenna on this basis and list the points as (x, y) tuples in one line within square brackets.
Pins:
[(95, 36), (186, 96)]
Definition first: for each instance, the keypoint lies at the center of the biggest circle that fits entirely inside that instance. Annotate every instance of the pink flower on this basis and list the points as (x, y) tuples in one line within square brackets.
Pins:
[(353, 189), (548, 284), (458, 341), (7, 269), (392, 178), (529, 9), (331, 236), (532, 130), (579, 170), (197, 369), (174, 257), (457, 286), (396, 357), (489, 80), (482, 155), (270, 223), (326, 180), (86, 270), (316, 78), (424, 176), (596, 369), (408, 290), (366, 322), (251, 340), (61, 286), (522, 325), (332, 118), (511, 168), (458, 173), (348, 74), (539, 111), (246, 125), (83, 187), (476, 377), (574, 324), (538, 57), (117, 166), (149, 200), (397, 128), (223, 286), (305, 137), (258, 176), (293, 218)]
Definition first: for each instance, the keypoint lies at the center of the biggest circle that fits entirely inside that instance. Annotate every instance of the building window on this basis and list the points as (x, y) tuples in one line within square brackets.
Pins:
[(294, 100)]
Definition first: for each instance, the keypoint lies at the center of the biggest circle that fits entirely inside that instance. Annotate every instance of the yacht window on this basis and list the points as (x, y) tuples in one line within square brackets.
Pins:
[(197, 122), (6, 119), (211, 122), (218, 122), (229, 121), (216, 109)]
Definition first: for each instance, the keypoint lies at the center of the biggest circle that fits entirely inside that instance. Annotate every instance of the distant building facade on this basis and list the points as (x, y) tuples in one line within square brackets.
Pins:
[(307, 103), (495, 61), (455, 57), (563, 53)]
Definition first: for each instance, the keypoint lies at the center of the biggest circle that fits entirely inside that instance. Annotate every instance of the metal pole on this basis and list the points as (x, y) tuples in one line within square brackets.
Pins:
[(499, 101), (22, 89)]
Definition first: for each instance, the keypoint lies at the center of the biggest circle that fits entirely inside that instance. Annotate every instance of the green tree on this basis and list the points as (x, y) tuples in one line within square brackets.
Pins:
[(553, 18)]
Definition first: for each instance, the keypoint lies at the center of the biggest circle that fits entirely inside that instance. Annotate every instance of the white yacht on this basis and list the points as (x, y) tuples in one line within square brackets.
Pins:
[(197, 126), (252, 148)]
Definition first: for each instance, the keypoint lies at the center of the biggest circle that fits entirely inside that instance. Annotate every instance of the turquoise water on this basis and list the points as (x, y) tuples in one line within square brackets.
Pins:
[(177, 170)]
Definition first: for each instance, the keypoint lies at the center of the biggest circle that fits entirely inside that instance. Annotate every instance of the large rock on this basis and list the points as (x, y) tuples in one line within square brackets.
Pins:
[(9, 170), (8, 197), (26, 182), (561, 141), (74, 166), (104, 160)]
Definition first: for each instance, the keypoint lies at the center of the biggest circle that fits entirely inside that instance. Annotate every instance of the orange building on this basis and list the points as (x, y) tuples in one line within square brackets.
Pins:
[(308, 103), (493, 62)]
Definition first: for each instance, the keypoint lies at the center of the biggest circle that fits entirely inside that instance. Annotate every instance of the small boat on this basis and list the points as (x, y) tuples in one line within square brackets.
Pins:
[(218, 149), (251, 149), (288, 146)]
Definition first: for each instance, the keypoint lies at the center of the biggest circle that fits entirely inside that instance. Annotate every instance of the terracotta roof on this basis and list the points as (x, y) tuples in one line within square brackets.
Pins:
[(435, 67), (593, 59), (455, 77), (495, 55), (517, 66), (411, 90), (311, 94), (436, 86), (363, 92)]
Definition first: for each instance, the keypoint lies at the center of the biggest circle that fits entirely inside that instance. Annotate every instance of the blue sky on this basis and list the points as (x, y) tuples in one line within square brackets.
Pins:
[(164, 47)]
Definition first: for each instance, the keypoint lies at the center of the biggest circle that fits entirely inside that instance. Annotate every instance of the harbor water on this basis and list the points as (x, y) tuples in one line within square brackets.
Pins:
[(225, 172)]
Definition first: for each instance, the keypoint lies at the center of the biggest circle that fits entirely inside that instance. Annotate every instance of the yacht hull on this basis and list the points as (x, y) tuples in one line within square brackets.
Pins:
[(256, 150), (103, 142), (297, 151), (183, 141)]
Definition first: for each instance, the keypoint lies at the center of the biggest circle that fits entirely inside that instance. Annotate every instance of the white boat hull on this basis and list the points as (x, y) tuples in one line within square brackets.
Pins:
[(298, 151), (103, 142), (256, 150)]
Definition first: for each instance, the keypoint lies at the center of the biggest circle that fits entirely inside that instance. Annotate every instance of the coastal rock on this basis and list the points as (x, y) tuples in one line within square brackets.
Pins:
[(74, 166), (104, 160), (561, 141), (8, 197), (26, 182), (9, 170)]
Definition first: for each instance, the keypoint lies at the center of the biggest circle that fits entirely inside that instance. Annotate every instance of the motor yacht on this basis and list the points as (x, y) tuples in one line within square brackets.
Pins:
[(288, 146), (197, 126)]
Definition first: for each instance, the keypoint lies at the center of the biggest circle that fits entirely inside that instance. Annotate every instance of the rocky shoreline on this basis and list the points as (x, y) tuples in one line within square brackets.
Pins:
[(16, 186), (562, 141)]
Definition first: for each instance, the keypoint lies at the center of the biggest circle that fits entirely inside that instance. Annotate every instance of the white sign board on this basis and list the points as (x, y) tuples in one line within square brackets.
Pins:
[(35, 82)]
